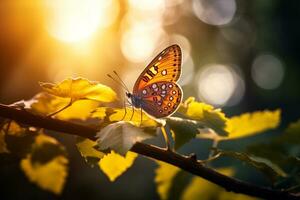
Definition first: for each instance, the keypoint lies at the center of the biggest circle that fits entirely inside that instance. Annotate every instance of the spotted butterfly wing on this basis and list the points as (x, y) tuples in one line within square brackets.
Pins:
[(156, 86)]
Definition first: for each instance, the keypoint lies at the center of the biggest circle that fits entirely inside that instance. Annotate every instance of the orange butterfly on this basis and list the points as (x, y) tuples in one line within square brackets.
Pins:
[(156, 91)]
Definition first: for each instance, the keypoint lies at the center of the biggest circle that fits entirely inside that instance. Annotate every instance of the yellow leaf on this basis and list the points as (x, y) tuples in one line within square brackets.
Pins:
[(252, 123), (114, 165), (80, 88), (44, 103), (118, 114), (50, 176), (87, 150), (200, 188), (99, 112), (78, 110), (46, 164), (164, 175), (120, 137), (211, 117), (13, 128), (3, 148)]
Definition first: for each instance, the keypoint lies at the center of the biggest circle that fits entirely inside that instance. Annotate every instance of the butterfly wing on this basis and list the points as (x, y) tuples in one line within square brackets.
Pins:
[(166, 66), (161, 99)]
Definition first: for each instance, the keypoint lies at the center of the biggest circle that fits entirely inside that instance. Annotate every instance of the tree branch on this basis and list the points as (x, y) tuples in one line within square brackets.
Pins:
[(189, 164)]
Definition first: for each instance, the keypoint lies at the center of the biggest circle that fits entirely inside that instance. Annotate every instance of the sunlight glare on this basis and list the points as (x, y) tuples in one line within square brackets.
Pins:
[(75, 20), (139, 42)]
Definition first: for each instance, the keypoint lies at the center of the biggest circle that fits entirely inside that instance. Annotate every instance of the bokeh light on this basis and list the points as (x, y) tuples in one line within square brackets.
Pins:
[(215, 12), (139, 42), (75, 20), (217, 84), (142, 29), (267, 71), (188, 71)]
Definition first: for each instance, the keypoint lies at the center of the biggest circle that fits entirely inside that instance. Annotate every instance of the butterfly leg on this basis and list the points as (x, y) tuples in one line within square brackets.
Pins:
[(141, 116), (125, 113), (132, 112), (166, 137)]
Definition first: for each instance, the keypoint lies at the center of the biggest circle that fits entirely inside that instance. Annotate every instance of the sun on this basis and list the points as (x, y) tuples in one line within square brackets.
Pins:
[(75, 20)]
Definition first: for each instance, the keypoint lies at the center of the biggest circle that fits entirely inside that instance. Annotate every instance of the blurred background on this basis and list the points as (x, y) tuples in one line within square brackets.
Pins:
[(238, 55)]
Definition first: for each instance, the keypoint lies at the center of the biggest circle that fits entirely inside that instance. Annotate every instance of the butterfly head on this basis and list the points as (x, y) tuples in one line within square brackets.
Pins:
[(135, 100), (128, 95)]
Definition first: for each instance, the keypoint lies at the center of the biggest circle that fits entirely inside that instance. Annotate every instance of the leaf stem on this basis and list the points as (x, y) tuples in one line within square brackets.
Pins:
[(213, 146), (166, 137), (60, 110)]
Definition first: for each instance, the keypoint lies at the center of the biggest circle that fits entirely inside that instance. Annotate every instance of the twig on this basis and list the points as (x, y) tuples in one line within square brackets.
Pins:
[(184, 162)]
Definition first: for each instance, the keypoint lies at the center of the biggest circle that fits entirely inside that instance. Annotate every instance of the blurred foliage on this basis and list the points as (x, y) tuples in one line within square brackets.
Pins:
[(284, 150), (46, 164), (174, 183), (271, 170)]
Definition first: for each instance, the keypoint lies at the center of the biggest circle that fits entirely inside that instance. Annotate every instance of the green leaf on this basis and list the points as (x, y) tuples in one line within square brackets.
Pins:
[(121, 136), (80, 88), (183, 129), (207, 114), (271, 170), (249, 124), (284, 150), (86, 147), (46, 165), (114, 165)]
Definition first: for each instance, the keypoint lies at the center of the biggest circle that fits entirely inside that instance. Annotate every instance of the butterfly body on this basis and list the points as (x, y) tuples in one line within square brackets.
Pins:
[(156, 90)]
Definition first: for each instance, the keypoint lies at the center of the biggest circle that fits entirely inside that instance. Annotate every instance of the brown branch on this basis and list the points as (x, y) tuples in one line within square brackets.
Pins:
[(188, 164)]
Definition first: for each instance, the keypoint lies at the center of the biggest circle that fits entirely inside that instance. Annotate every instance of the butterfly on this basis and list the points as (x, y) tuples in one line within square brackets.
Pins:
[(156, 91)]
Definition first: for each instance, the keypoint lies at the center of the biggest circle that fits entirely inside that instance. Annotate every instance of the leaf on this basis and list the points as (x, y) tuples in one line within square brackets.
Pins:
[(87, 150), (271, 170), (249, 124), (13, 128), (46, 165), (132, 116), (44, 103), (80, 88), (18, 139), (50, 176), (173, 183), (121, 136), (170, 181), (284, 150), (200, 188), (114, 165), (183, 129), (207, 114), (3, 148)]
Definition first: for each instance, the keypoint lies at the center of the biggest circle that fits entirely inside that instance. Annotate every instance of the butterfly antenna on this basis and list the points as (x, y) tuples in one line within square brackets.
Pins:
[(121, 80)]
